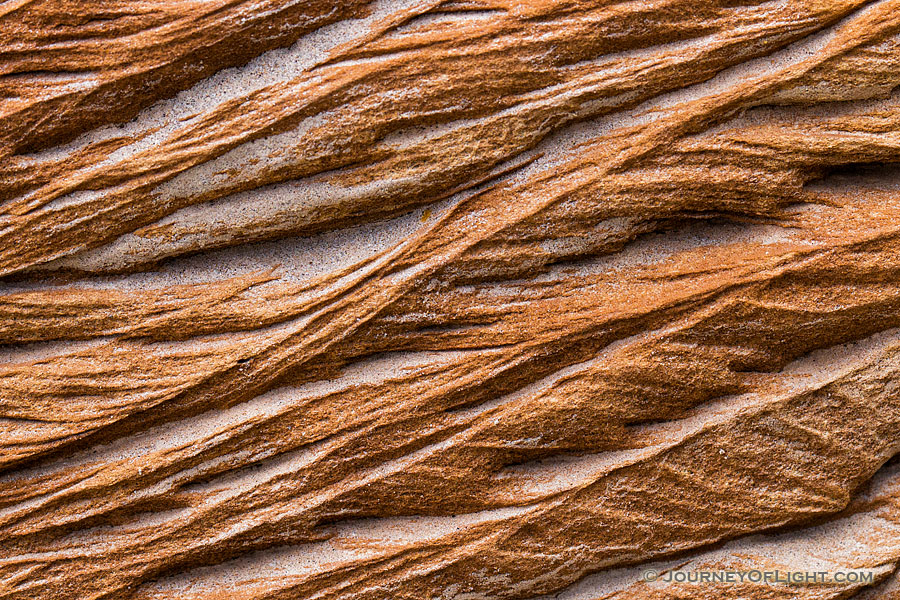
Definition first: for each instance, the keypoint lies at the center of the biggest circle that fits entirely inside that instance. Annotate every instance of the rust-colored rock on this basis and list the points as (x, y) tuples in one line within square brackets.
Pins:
[(414, 299)]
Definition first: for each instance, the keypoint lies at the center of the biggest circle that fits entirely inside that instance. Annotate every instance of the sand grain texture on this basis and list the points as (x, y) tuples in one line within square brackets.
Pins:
[(441, 299)]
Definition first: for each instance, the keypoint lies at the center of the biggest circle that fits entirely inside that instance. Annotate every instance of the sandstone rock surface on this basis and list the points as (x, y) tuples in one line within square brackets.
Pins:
[(457, 299)]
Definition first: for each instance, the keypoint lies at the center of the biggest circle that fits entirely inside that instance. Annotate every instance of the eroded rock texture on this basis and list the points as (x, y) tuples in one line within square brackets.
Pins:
[(414, 299)]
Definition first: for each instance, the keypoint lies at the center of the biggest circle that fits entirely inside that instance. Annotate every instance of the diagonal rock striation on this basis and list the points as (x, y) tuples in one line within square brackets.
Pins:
[(407, 299)]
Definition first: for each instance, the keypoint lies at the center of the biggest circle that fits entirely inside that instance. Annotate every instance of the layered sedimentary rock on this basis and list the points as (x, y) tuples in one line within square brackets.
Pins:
[(448, 299)]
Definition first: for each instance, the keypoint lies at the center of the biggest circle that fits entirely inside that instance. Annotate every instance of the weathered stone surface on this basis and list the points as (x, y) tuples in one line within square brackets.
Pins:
[(416, 299)]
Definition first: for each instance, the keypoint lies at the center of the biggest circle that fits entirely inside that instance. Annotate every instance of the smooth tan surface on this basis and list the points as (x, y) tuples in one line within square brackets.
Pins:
[(420, 299)]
